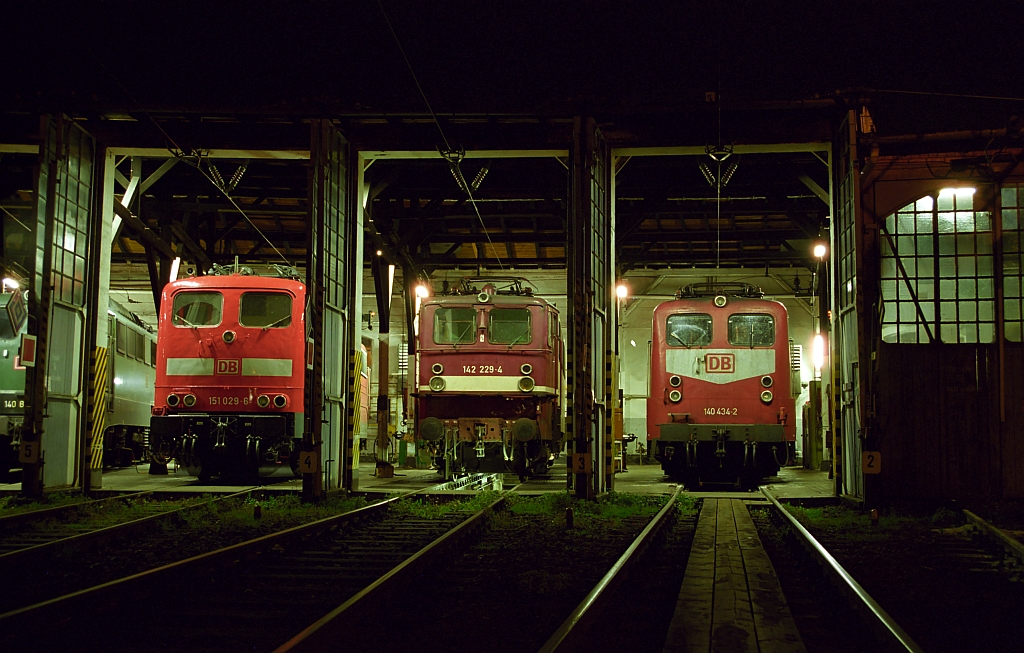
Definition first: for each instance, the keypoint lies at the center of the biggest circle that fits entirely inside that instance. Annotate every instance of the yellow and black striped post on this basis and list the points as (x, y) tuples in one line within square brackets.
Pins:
[(97, 417), (350, 480)]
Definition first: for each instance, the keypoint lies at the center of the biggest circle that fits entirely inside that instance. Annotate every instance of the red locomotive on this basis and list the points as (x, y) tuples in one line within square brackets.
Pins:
[(230, 373), (720, 407), (490, 379)]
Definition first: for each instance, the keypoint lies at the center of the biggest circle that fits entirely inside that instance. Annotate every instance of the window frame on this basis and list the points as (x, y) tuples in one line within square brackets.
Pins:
[(512, 343), (191, 291), (471, 332), (710, 330), (751, 345), (281, 293)]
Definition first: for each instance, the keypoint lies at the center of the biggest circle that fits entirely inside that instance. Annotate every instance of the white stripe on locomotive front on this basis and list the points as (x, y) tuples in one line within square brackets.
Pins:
[(691, 364), (250, 367), (266, 367), (473, 384)]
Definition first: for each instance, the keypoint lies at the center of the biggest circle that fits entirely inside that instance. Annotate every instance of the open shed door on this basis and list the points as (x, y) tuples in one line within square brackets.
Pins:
[(589, 286), (331, 268), (851, 366)]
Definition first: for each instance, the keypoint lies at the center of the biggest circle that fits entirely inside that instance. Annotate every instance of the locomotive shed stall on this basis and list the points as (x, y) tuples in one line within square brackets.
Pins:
[(395, 155)]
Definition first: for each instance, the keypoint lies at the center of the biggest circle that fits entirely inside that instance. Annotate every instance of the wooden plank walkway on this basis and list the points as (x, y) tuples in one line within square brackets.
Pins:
[(730, 599)]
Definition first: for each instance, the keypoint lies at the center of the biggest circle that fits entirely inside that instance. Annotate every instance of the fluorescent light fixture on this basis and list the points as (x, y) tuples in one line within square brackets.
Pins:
[(10, 283), (175, 264), (818, 351)]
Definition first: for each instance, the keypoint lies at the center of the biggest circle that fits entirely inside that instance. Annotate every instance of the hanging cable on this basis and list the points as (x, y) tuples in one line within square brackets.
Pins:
[(453, 157)]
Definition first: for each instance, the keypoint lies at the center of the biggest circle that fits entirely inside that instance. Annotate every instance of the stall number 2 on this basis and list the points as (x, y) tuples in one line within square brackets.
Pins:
[(481, 369)]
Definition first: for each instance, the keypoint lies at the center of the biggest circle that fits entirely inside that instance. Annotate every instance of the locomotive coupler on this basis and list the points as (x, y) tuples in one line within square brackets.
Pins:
[(720, 437)]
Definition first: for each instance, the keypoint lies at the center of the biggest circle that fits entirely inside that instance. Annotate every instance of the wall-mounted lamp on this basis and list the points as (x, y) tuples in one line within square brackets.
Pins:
[(818, 352), (622, 291)]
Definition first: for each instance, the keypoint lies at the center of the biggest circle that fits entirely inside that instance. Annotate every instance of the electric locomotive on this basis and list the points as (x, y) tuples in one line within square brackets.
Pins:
[(230, 373), (721, 404), (490, 379)]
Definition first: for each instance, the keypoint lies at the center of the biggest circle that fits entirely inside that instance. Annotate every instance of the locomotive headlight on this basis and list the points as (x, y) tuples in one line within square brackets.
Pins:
[(437, 368), (526, 384), (720, 301), (263, 401), (280, 401), (229, 336), (173, 399), (766, 381), (526, 368), (190, 400), (675, 396), (674, 381), (767, 396), (437, 383)]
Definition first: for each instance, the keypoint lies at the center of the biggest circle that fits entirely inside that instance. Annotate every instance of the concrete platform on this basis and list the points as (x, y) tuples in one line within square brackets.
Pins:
[(792, 483)]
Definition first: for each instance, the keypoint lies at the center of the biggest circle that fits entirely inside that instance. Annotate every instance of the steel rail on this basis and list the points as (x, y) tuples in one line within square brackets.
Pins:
[(123, 593), (1012, 546), (45, 513), (326, 632), (106, 534), (569, 636), (888, 631)]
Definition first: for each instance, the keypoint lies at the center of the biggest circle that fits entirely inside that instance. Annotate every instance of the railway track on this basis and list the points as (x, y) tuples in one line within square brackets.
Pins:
[(917, 587), (40, 546), (250, 596), (488, 596)]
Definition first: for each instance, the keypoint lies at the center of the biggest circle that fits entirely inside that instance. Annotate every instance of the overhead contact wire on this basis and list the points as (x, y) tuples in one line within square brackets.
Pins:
[(178, 153), (461, 179)]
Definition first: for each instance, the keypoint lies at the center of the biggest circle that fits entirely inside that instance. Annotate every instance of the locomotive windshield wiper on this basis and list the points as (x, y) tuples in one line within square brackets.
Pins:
[(276, 322), (185, 322), (521, 336)]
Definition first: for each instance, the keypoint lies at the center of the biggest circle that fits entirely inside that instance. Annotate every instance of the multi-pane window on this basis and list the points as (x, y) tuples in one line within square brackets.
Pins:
[(937, 274), (1012, 198)]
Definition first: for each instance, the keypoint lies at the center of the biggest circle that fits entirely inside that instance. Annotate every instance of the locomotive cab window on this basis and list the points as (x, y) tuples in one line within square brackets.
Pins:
[(268, 310), (688, 330), (751, 330), (509, 326), (454, 326), (195, 309)]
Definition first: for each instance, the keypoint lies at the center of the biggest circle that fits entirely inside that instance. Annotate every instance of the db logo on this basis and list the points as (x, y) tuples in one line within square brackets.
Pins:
[(720, 363), (229, 366)]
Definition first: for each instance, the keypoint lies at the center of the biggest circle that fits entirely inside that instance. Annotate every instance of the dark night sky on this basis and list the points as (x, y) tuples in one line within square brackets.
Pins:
[(513, 56)]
